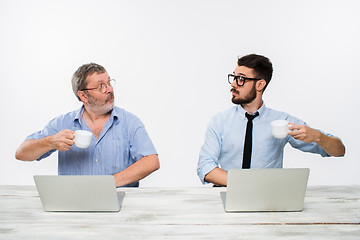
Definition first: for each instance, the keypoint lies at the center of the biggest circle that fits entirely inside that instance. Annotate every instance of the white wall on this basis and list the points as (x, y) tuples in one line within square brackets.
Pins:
[(171, 60)]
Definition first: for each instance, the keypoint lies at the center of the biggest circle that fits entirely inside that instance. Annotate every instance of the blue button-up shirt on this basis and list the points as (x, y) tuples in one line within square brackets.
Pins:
[(224, 141), (122, 142)]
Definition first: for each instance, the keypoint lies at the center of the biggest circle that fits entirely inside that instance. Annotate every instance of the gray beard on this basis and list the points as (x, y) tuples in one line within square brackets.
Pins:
[(101, 108)]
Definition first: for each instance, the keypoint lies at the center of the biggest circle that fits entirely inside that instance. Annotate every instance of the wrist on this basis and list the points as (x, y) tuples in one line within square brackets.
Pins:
[(319, 137), (50, 142), (117, 179)]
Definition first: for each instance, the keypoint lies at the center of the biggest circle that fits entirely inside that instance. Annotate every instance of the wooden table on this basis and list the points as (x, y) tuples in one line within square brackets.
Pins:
[(182, 213)]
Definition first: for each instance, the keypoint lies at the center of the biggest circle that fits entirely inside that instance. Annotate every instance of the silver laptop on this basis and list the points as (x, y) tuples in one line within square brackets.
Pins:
[(258, 190), (96, 193)]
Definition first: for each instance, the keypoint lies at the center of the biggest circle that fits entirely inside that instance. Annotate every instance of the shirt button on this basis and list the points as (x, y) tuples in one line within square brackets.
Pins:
[(96, 160)]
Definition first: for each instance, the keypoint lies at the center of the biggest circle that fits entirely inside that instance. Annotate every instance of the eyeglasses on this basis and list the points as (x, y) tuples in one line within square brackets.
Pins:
[(240, 80), (103, 87)]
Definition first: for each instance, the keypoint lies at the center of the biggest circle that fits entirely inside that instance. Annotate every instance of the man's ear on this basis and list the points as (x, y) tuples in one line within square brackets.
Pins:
[(82, 96), (260, 85)]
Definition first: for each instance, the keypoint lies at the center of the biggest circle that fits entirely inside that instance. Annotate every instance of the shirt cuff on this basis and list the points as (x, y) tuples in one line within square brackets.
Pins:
[(205, 169)]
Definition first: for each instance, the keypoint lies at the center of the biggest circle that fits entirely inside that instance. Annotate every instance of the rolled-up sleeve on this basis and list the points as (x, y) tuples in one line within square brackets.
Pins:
[(140, 142), (50, 129), (210, 151)]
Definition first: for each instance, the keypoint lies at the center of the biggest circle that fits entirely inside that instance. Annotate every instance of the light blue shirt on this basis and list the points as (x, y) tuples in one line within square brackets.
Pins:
[(224, 141), (121, 143)]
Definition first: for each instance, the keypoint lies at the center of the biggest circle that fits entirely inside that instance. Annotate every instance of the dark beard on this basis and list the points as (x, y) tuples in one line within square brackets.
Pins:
[(248, 98)]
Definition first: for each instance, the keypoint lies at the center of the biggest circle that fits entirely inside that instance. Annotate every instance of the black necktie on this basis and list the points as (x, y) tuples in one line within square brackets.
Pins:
[(248, 140)]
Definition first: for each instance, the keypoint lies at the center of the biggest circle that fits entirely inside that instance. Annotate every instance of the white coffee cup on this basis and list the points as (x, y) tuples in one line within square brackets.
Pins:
[(82, 138), (280, 128)]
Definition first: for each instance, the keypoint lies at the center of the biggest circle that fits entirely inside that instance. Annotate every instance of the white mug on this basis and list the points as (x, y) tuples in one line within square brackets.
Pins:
[(280, 128), (83, 138)]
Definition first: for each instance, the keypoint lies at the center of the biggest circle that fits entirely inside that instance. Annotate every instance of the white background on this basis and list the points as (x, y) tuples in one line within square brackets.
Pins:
[(171, 60)]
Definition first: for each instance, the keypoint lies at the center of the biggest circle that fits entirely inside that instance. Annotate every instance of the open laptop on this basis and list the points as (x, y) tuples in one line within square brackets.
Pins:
[(259, 190), (95, 193)]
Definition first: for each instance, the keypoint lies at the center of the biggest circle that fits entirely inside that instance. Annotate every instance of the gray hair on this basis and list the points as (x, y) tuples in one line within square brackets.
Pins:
[(78, 80)]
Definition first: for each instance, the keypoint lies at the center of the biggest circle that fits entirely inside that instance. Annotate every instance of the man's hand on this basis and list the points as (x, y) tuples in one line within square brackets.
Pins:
[(32, 149), (304, 133), (137, 171), (331, 145), (63, 140)]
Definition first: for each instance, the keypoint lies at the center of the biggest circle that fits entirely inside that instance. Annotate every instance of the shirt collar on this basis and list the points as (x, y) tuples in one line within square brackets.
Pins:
[(78, 116), (115, 115), (79, 120), (261, 110)]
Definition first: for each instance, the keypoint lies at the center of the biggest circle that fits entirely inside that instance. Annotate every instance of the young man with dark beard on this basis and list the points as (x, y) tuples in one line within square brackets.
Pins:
[(224, 146)]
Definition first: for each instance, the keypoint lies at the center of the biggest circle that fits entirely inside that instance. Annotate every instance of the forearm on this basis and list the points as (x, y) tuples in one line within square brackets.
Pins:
[(331, 145), (139, 170), (217, 176), (32, 149)]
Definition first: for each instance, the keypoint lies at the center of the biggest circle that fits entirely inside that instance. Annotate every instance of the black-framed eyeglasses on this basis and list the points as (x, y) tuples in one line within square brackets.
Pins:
[(240, 80), (103, 86)]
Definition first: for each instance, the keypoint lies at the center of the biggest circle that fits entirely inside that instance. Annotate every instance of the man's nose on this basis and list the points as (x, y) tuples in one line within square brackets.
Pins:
[(109, 88), (234, 84)]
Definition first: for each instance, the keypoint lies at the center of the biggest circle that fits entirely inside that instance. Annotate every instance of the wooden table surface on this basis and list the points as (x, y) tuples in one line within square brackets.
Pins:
[(331, 212)]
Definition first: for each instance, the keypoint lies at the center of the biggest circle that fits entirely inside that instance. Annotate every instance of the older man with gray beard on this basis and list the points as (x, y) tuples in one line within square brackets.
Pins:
[(120, 145)]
